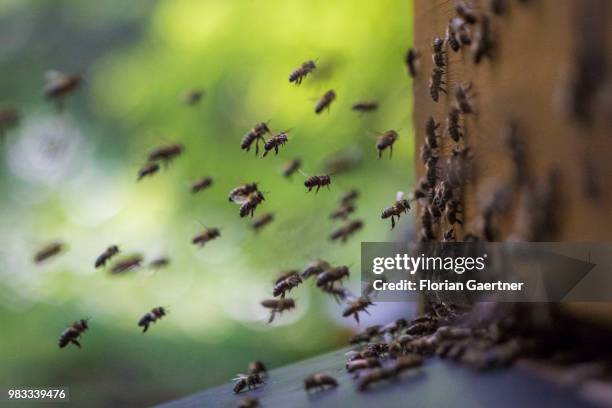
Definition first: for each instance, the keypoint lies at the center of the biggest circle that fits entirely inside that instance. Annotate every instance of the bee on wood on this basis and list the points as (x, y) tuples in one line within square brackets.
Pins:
[(300, 73), (166, 154), (291, 167), (435, 84), (205, 236), (483, 46), (48, 251), (386, 140), (106, 255), (238, 194), (9, 118), (318, 182), (151, 317), (411, 60), (249, 381), (344, 232), (332, 275), (453, 210), (362, 364), (325, 101), (466, 13), (285, 283), (401, 205), (278, 306), (257, 367), (193, 97), (319, 381), (127, 264), (260, 222), (349, 197), (255, 135), (453, 127), (275, 142), (342, 212), (72, 333), (449, 235), (315, 268), (201, 184), (394, 327), (147, 170), (360, 304), (59, 85), (251, 203), (451, 37), (159, 263), (463, 95), (365, 106), (439, 55), (248, 402), (498, 6)]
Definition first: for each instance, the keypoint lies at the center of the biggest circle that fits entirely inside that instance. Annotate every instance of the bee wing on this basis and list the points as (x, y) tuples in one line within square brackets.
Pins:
[(240, 199), (54, 75), (399, 195)]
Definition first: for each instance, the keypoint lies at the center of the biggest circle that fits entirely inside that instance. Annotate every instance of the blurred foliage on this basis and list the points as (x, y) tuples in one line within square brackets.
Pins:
[(71, 175)]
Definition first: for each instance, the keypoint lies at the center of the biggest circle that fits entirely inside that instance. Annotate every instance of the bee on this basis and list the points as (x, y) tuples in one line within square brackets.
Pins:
[(411, 60), (439, 55), (463, 95), (332, 275), (319, 381), (257, 367), (59, 85), (315, 268), (275, 142), (466, 13), (367, 334), (453, 127), (452, 213), (285, 283), (251, 203), (449, 235), (147, 170), (337, 292), (325, 101), (72, 333), (435, 83), (342, 212), (159, 263), (48, 251), (239, 193), (255, 135), (483, 46), (374, 376), (300, 73), (278, 306), (498, 6), (366, 106), (248, 402), (207, 235), (193, 97), (166, 153), (244, 381), (260, 222), (151, 317), (362, 364), (291, 167), (451, 37), (317, 181), (106, 255), (201, 184), (349, 197), (355, 307), (9, 117), (400, 206), (126, 264), (344, 232), (386, 140)]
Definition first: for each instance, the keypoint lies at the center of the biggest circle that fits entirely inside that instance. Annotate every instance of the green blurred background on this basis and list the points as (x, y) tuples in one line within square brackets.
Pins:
[(71, 175)]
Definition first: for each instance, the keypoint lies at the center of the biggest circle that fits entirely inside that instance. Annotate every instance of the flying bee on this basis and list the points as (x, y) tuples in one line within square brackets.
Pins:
[(192, 97), (159, 263), (59, 85), (106, 255), (315, 268), (285, 283), (238, 194), (317, 181), (207, 235), (291, 167), (260, 222), (439, 55), (337, 292), (342, 212), (257, 367), (248, 402), (332, 275), (255, 135), (151, 317), (147, 170), (349, 197), (300, 73), (278, 306), (72, 333), (465, 12), (275, 142), (251, 203), (166, 154), (244, 381), (483, 46), (435, 84), (319, 381), (325, 101), (355, 307), (365, 106), (9, 118), (344, 232), (401, 205), (411, 60), (386, 140), (48, 251), (362, 364), (201, 184), (463, 96), (126, 264), (451, 37), (453, 127)]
